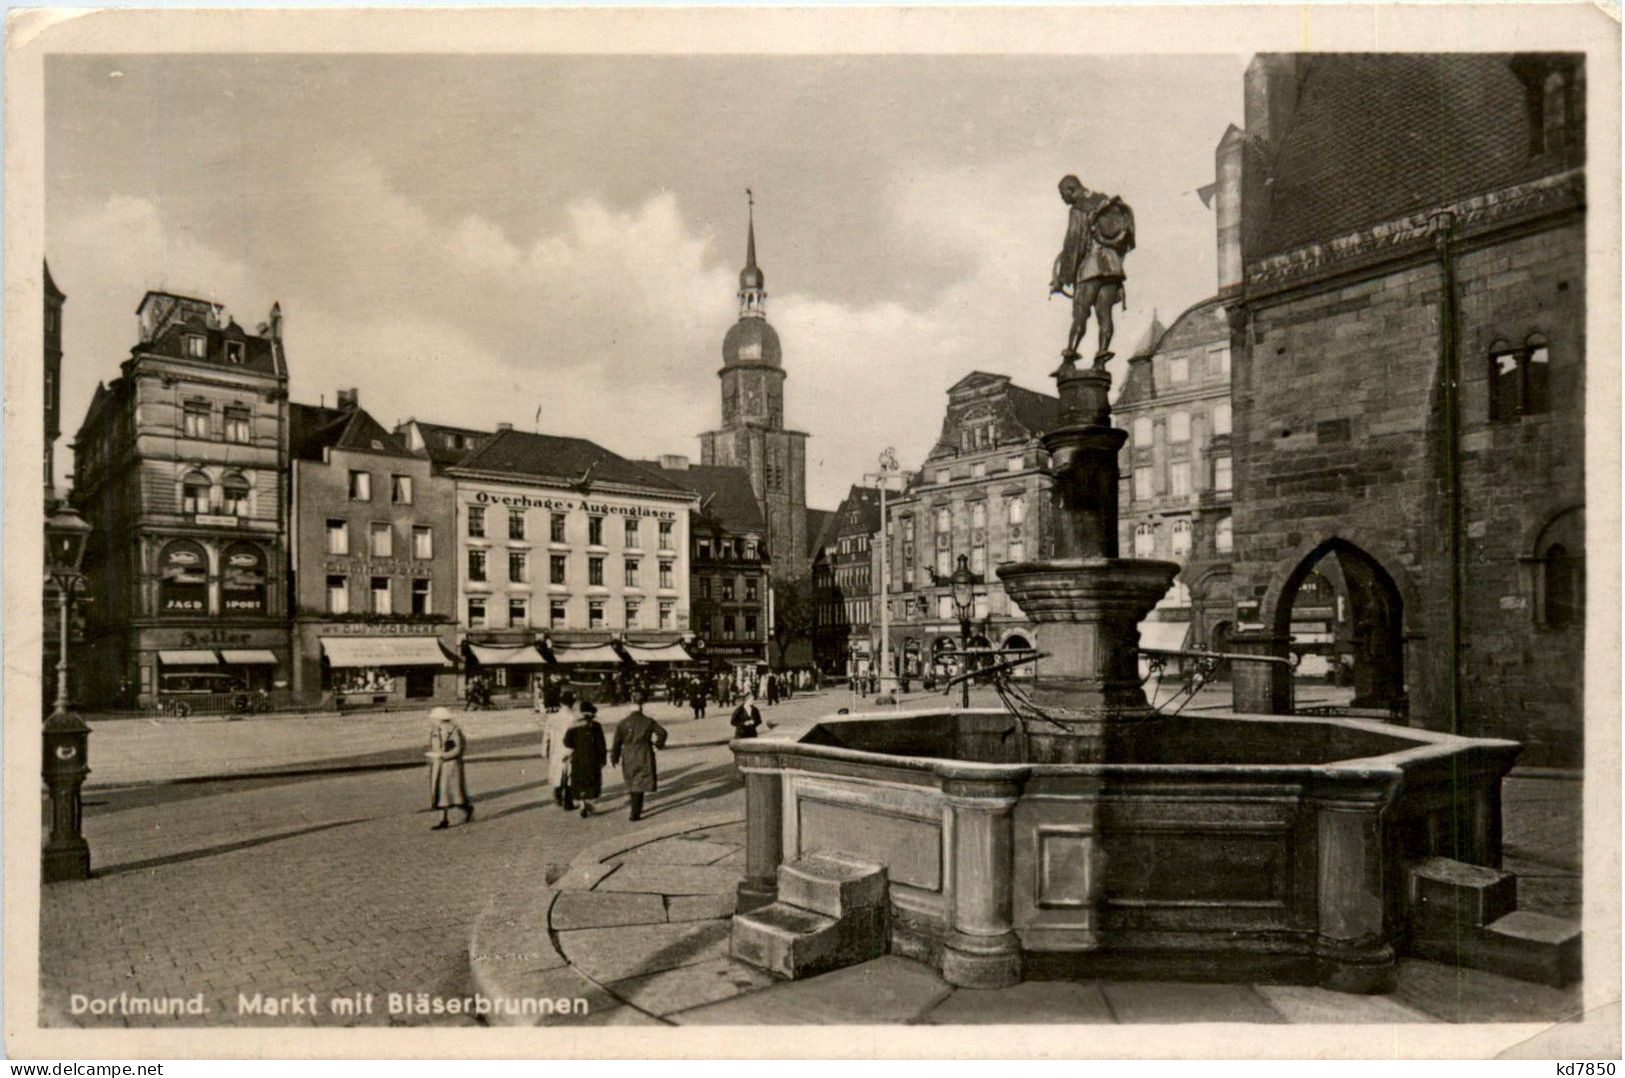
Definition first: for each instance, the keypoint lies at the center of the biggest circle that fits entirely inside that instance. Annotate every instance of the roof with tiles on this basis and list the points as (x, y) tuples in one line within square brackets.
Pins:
[(1377, 136), (569, 460)]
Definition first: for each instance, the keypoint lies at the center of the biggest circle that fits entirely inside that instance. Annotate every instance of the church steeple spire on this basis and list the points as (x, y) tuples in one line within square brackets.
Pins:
[(752, 283)]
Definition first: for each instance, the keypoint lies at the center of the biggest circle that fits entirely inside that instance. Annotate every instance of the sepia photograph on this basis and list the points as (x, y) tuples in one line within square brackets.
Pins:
[(918, 520)]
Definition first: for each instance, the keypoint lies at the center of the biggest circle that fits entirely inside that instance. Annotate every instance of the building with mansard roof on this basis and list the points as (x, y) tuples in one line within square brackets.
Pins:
[(181, 466)]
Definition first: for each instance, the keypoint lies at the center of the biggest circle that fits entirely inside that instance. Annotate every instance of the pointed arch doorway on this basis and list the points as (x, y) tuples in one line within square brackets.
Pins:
[(1368, 613)]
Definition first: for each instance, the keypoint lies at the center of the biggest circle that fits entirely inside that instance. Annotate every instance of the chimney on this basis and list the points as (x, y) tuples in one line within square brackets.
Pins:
[(674, 462), (1271, 96), (348, 400), (504, 426), (1228, 161)]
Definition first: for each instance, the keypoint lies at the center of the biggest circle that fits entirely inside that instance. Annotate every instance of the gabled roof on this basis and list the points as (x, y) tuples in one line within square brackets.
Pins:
[(1038, 412), (435, 445), (820, 524), (978, 378), (1375, 136), (564, 460), (1188, 328), (312, 428), (860, 502), (725, 494)]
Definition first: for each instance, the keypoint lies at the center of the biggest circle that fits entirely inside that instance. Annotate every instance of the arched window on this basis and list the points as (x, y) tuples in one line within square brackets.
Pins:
[(183, 579), (1145, 540), (1561, 578), (195, 489), (235, 491), (1519, 378), (242, 579), (1182, 538)]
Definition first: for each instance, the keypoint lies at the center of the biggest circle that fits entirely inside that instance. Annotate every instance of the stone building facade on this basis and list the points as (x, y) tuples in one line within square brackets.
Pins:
[(180, 466), (374, 583), (559, 540), (844, 587), (1408, 333), (753, 436), (982, 492), (729, 579), (1177, 473)]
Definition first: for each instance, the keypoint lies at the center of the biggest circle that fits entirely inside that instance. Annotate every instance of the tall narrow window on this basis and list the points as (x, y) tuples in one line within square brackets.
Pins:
[(1224, 537), (595, 531), (518, 613), (556, 568), (516, 524), (632, 608), (361, 486), (476, 611), (595, 614), (476, 565), (238, 425), (338, 594), (1179, 480), (380, 595), (196, 420), (195, 493), (595, 572), (422, 541), (1519, 379), (667, 533), (557, 613), (1145, 540), (1181, 538), (338, 537), (420, 596), (1221, 418), (518, 567), (476, 522), (1144, 432), (383, 541), (197, 346), (555, 528), (1221, 474), (631, 572), (667, 577), (1565, 601), (234, 496), (1179, 427), (631, 533), (400, 489)]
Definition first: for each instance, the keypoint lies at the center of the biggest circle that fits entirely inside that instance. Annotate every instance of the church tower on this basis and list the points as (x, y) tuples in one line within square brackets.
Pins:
[(752, 435)]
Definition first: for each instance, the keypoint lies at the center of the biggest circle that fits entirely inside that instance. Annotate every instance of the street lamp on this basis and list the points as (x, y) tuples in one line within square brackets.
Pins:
[(963, 583), (888, 468), (66, 737)]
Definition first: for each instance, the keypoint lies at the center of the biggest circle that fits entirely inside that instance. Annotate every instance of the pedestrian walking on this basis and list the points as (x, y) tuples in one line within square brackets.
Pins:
[(636, 738), (448, 789), (772, 689), (697, 700), (585, 742), (558, 756), (746, 717)]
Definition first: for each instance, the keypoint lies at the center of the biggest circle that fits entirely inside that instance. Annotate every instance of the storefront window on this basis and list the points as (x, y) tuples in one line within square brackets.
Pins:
[(242, 579), (363, 679), (183, 586)]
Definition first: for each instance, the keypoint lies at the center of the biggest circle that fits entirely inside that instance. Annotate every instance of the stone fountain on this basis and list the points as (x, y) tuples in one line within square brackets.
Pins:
[(1092, 835)]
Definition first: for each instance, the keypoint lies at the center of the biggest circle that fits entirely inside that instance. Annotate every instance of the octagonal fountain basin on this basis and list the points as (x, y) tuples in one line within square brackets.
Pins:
[(1244, 848)]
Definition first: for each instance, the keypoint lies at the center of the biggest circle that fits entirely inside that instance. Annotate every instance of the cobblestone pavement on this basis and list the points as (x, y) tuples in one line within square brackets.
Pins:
[(325, 885)]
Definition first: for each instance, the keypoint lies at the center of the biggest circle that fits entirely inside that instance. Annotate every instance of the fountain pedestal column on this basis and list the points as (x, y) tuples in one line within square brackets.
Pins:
[(981, 949), (1261, 688), (1086, 601), (764, 838)]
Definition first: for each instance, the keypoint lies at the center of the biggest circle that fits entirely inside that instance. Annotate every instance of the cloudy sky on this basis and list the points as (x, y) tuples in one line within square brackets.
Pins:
[(471, 239)]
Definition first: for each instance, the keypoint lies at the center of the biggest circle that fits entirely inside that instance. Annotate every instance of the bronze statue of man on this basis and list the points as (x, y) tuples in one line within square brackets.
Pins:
[(1099, 232)]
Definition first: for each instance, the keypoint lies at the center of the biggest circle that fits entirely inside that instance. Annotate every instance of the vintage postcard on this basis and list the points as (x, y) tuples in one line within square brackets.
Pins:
[(556, 531)]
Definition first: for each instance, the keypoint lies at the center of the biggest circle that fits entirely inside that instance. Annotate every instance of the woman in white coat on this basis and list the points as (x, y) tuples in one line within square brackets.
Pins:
[(558, 757)]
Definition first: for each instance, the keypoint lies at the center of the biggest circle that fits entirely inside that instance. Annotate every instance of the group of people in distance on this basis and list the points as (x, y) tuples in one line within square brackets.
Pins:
[(576, 751)]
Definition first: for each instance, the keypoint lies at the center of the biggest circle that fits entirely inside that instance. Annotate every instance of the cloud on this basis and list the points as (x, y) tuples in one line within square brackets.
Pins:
[(610, 325)]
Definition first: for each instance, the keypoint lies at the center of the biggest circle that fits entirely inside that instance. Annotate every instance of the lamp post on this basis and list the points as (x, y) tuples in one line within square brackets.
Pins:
[(963, 583), (66, 855), (888, 468)]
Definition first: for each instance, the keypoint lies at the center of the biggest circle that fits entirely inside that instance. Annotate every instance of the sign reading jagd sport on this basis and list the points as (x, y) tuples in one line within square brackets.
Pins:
[(565, 505)]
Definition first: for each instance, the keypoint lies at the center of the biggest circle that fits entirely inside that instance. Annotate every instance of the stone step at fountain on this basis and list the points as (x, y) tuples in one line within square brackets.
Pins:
[(831, 912), (1467, 915)]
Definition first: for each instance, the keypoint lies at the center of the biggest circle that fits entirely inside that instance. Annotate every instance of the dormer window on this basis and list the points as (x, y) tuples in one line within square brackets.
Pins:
[(196, 346), (234, 352), (1551, 102)]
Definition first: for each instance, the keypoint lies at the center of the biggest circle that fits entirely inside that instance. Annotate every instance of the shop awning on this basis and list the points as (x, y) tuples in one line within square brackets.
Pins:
[(188, 658), (1164, 635), (664, 653), (599, 654), (488, 655), (351, 651), (248, 657)]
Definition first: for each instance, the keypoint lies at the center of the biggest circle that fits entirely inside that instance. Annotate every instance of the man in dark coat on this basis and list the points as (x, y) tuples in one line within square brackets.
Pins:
[(585, 741), (696, 698), (772, 689), (636, 738), (746, 718)]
